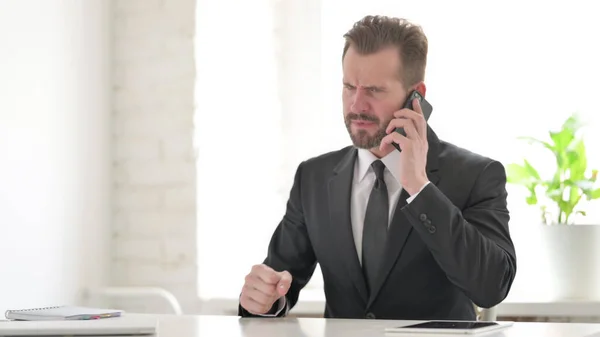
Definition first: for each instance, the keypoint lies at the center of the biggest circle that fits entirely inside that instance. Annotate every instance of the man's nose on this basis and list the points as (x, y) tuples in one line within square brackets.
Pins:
[(359, 100)]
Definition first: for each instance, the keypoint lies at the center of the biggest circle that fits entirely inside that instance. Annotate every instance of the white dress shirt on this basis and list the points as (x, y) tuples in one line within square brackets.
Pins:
[(362, 183)]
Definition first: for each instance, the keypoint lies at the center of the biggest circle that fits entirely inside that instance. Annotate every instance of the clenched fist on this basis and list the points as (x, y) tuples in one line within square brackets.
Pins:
[(263, 287)]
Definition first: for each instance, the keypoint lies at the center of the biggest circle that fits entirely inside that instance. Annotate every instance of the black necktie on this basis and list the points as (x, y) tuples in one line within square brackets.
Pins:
[(375, 226)]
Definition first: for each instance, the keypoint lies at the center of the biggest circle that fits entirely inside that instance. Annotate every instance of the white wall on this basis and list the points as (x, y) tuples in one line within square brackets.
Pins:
[(57, 167), (54, 146), (154, 238)]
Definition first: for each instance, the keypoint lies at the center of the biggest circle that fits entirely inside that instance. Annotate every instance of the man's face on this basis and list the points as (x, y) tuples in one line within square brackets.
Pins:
[(372, 93)]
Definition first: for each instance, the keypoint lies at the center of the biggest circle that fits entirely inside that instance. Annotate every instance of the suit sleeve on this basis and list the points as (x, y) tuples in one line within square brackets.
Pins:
[(290, 249), (473, 247)]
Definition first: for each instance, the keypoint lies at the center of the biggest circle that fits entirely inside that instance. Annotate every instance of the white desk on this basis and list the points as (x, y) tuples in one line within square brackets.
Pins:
[(571, 309), (312, 302), (233, 326)]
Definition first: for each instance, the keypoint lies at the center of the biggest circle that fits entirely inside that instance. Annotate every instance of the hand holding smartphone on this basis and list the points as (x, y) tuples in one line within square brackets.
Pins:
[(425, 107)]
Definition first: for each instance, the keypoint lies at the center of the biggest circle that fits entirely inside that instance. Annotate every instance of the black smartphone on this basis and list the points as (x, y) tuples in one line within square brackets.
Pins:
[(425, 107)]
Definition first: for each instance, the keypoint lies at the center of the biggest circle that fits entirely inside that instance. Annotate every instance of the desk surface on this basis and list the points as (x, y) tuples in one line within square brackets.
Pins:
[(232, 326), (312, 302)]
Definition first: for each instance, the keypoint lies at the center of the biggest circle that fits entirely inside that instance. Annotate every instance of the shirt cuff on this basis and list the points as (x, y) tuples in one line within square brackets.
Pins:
[(412, 197), (280, 307)]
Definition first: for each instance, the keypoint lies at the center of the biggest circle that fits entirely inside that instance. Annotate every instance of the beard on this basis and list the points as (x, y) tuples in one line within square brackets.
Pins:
[(362, 139)]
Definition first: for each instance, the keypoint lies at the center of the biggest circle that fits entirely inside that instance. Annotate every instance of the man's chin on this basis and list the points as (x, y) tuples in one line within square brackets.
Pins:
[(366, 147), (365, 143)]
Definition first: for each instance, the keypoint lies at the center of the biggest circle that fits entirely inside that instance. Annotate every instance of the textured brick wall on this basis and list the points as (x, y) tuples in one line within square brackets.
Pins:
[(154, 218), (154, 230)]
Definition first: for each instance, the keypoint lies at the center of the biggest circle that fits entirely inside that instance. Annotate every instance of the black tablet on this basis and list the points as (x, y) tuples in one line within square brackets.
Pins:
[(451, 327)]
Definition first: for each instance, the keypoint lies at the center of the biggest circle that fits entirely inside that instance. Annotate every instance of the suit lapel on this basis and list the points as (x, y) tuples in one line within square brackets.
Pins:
[(339, 189), (400, 227)]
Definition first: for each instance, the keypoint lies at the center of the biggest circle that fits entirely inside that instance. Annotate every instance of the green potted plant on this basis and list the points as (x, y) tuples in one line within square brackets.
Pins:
[(566, 253), (571, 181)]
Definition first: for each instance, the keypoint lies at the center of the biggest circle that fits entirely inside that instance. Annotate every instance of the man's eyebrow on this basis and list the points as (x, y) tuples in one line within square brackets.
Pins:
[(369, 87), (374, 88)]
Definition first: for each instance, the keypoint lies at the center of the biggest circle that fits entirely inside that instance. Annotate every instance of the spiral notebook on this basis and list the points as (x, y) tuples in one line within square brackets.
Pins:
[(62, 312), (126, 325)]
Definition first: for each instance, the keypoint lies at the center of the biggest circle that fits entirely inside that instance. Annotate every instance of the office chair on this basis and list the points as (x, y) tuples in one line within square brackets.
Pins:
[(135, 293), (486, 314)]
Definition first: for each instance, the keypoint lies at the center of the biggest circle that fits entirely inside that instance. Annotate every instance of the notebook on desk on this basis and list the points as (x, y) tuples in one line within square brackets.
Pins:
[(63, 312), (119, 326)]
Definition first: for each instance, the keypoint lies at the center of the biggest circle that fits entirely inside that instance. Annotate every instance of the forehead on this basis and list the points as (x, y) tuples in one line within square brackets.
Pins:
[(378, 67)]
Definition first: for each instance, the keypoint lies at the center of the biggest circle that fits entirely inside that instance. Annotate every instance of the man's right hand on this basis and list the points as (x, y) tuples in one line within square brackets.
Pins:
[(263, 287)]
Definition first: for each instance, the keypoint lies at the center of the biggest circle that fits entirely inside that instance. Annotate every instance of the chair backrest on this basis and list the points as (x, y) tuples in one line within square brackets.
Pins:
[(133, 293), (486, 314)]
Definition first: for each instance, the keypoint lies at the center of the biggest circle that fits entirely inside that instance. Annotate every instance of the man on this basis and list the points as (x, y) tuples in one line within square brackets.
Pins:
[(420, 233)]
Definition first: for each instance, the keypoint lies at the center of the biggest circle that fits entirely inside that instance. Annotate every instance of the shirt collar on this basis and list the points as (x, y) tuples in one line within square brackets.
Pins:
[(365, 158)]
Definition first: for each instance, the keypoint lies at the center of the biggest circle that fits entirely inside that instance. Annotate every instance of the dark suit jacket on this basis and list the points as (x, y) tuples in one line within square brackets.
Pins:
[(448, 249)]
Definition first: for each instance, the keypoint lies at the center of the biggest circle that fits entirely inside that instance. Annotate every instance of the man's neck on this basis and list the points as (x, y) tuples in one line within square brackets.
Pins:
[(378, 153)]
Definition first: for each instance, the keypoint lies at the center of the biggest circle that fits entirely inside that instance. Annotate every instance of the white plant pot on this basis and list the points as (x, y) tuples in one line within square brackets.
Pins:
[(573, 252), (557, 262)]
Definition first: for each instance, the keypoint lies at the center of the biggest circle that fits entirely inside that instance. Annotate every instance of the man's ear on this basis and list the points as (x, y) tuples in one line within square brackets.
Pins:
[(421, 88)]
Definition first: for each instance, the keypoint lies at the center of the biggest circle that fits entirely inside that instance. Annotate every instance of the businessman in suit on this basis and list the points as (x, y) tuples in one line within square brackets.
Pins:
[(420, 233)]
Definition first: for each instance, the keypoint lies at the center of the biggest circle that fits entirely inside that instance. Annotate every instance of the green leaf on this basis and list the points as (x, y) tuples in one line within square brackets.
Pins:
[(531, 199), (518, 174), (532, 140), (563, 205), (554, 184), (585, 185), (561, 139), (531, 170), (563, 143), (577, 160), (591, 193), (554, 194), (582, 213), (574, 197), (595, 194), (572, 123)]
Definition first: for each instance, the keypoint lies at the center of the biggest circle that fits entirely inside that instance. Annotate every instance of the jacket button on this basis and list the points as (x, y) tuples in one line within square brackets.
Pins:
[(431, 229), (423, 217), (370, 315)]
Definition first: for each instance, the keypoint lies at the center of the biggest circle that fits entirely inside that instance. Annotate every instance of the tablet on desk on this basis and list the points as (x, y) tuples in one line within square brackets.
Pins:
[(451, 327)]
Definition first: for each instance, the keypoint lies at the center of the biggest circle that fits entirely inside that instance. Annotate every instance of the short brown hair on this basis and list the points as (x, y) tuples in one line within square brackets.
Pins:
[(373, 33)]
